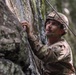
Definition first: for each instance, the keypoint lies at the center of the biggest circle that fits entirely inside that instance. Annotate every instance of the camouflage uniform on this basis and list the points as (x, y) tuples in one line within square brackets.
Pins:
[(57, 58)]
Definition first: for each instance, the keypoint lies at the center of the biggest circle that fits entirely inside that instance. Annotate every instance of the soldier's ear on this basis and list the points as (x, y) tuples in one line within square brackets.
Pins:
[(62, 32), (61, 26)]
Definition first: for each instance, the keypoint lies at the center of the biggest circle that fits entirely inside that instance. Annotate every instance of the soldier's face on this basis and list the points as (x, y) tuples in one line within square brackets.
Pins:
[(53, 28)]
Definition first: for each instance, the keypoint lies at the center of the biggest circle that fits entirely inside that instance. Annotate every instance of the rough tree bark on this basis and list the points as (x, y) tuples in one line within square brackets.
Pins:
[(22, 11), (14, 46)]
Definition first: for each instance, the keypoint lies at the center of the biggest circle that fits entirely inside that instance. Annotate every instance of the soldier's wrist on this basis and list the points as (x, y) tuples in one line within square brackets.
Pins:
[(32, 37)]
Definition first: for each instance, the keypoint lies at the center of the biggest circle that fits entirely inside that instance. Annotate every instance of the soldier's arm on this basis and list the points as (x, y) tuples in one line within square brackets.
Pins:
[(46, 53)]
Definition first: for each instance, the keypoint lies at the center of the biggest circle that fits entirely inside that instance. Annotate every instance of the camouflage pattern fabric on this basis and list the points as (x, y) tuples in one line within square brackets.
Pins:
[(57, 57)]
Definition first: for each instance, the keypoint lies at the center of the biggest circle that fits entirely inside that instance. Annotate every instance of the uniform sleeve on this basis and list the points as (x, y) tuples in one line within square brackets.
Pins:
[(47, 53)]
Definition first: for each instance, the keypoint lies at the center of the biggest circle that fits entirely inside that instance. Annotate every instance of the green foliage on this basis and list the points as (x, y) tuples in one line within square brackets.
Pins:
[(43, 9), (73, 9), (59, 5)]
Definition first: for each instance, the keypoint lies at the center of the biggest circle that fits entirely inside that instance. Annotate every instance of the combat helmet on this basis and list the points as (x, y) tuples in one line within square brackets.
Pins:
[(61, 18)]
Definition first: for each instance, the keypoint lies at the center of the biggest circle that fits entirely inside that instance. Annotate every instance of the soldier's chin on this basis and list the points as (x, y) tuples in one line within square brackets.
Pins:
[(49, 34)]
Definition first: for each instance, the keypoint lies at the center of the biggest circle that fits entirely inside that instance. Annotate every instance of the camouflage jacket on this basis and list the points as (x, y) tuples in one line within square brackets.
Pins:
[(57, 57)]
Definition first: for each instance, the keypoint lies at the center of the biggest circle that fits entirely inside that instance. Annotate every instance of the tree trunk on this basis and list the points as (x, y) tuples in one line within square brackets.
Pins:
[(22, 11)]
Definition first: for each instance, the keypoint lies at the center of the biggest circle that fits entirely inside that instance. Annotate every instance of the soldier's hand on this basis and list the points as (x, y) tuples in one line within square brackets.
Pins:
[(26, 25)]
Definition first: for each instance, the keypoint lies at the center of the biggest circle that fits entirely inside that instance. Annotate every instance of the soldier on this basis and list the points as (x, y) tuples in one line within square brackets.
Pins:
[(56, 54)]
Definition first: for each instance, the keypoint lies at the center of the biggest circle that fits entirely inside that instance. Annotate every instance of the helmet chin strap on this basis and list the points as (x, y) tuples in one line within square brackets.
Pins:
[(60, 18)]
